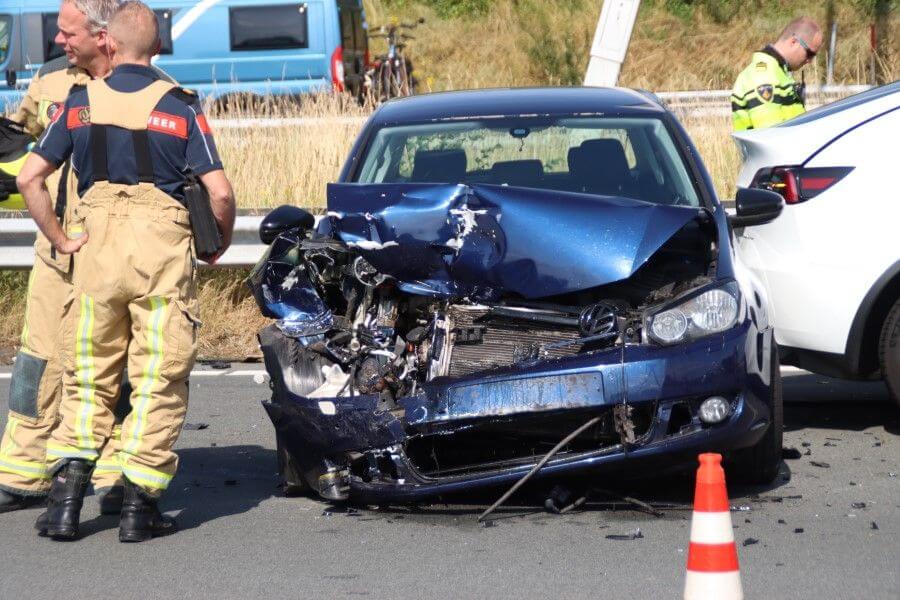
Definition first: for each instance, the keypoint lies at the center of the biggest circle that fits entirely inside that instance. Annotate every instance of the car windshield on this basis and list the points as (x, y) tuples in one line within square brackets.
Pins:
[(631, 157)]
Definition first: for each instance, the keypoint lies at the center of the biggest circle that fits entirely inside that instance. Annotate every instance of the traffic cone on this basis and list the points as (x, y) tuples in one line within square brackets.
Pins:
[(712, 566)]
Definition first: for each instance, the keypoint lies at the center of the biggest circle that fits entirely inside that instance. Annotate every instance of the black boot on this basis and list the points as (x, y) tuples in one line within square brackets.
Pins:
[(66, 497), (141, 519), (111, 500), (10, 502)]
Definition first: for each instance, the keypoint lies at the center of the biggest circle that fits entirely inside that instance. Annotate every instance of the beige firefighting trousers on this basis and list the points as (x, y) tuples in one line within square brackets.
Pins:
[(133, 298), (36, 384), (36, 388)]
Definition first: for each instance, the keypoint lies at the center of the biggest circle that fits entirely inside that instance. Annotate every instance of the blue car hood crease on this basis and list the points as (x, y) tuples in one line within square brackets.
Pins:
[(486, 241)]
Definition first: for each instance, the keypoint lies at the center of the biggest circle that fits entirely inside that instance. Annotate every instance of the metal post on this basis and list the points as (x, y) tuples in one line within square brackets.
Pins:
[(611, 42), (829, 78)]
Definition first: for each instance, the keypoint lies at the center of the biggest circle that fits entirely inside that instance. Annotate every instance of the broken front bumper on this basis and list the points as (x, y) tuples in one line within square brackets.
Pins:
[(650, 392)]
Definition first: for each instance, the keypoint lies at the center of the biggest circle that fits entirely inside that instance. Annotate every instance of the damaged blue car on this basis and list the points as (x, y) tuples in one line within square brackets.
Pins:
[(498, 270)]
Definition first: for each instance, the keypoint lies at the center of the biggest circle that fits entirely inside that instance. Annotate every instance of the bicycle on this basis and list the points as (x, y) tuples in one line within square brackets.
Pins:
[(390, 75)]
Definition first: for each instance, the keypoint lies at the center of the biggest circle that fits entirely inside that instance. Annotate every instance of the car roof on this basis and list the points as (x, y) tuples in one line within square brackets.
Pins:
[(445, 106)]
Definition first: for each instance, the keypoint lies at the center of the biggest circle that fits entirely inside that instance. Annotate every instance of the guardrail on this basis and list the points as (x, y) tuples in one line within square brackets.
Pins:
[(17, 244)]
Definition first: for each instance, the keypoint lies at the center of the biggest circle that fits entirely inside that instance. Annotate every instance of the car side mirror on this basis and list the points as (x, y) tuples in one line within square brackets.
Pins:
[(282, 219), (755, 207)]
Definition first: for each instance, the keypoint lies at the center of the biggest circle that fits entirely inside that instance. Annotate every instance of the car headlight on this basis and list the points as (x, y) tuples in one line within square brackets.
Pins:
[(708, 312)]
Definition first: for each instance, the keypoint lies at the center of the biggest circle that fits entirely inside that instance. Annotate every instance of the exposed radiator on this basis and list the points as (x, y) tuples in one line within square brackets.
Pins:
[(502, 341)]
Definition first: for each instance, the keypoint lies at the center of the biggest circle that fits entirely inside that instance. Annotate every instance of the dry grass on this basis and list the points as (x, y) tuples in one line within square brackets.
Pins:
[(531, 42), (289, 164)]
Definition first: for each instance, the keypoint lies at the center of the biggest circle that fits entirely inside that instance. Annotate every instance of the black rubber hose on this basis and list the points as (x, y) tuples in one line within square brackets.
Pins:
[(537, 467)]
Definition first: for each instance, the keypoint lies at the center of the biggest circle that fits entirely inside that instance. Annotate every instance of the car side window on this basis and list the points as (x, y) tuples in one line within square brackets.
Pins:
[(273, 27)]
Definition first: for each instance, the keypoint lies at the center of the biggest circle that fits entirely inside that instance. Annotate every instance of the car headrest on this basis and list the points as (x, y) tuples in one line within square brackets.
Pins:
[(517, 172), (439, 166), (601, 165)]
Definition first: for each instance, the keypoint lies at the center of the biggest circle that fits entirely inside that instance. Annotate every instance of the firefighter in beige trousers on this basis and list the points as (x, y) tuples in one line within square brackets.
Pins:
[(36, 384), (134, 282)]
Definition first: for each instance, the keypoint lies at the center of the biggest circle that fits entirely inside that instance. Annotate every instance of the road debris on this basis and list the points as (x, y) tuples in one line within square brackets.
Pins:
[(798, 530), (821, 465), (874, 526), (858, 505), (195, 426), (631, 535), (750, 542)]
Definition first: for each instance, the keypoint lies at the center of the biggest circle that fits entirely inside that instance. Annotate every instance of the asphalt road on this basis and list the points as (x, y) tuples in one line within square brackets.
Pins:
[(808, 536)]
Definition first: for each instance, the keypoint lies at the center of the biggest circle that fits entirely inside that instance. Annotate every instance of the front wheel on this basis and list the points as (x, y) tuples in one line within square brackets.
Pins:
[(759, 464), (889, 352)]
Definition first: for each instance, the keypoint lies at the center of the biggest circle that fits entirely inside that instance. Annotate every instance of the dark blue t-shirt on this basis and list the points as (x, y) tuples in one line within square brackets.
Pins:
[(180, 138)]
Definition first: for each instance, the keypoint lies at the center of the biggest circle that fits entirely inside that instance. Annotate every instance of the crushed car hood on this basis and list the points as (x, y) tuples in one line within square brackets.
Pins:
[(487, 241)]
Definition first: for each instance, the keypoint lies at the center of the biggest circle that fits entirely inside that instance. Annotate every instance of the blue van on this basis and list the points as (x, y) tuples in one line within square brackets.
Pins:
[(216, 47)]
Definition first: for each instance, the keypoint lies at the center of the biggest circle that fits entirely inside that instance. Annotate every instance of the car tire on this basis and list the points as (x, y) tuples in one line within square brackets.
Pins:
[(292, 482), (889, 352), (759, 465)]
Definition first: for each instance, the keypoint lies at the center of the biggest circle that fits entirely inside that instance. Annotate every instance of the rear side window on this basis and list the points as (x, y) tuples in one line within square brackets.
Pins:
[(49, 30), (164, 18), (269, 27)]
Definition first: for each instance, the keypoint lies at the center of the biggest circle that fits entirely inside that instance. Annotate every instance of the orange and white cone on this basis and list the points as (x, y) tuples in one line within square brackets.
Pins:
[(712, 566)]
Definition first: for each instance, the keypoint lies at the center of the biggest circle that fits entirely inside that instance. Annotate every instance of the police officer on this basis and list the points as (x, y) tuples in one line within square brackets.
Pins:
[(131, 138), (765, 93), (35, 388)]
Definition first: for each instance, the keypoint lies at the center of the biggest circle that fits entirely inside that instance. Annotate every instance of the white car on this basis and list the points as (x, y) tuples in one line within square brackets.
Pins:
[(831, 261)]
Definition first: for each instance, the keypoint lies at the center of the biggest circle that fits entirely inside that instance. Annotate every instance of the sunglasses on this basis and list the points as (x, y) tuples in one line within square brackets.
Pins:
[(810, 54)]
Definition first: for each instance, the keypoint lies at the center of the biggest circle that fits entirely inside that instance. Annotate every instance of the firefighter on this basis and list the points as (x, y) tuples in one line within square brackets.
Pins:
[(766, 93), (35, 388), (132, 136)]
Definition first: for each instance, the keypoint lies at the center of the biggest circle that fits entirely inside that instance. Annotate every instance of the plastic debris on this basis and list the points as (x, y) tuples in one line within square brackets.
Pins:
[(858, 505), (631, 535), (874, 526), (798, 530), (750, 542), (821, 465)]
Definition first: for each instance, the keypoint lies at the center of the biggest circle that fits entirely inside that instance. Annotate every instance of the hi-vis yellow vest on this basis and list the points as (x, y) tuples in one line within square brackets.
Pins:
[(764, 95)]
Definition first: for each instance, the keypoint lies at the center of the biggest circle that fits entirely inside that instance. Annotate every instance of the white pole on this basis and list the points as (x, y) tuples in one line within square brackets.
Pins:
[(829, 77), (611, 41)]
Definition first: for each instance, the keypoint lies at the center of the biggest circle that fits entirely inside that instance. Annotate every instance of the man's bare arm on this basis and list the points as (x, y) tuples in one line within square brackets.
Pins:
[(32, 182), (221, 199)]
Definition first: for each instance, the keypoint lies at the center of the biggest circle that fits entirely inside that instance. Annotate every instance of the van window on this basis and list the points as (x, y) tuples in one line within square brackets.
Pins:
[(269, 27), (5, 33), (51, 50), (164, 18)]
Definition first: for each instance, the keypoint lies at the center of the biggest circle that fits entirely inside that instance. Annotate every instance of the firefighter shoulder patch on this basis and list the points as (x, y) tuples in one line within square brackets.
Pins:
[(765, 92)]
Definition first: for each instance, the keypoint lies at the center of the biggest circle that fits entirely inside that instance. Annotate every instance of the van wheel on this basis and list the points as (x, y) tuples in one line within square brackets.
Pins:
[(759, 464), (889, 352)]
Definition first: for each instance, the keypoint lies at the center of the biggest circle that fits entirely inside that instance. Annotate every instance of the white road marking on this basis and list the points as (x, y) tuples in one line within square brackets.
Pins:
[(246, 373)]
